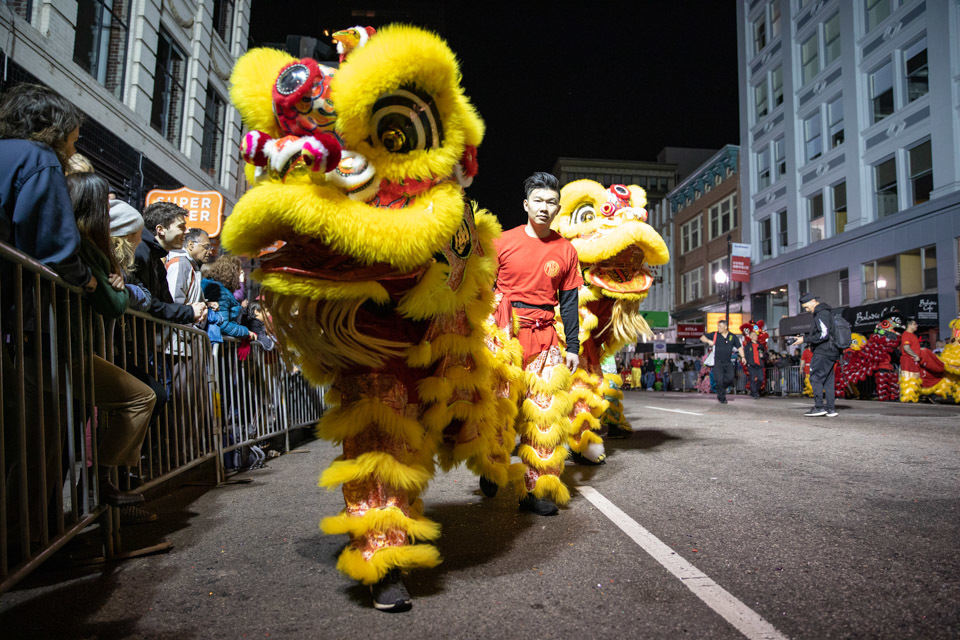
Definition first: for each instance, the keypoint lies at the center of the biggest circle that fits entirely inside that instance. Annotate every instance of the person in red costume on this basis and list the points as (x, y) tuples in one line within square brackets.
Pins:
[(538, 270)]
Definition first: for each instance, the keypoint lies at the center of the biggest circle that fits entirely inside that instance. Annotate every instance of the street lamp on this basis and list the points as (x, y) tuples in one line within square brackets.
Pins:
[(721, 278)]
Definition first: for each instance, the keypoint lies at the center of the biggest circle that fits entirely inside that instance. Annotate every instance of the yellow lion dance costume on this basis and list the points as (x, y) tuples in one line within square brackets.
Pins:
[(608, 228), (384, 283)]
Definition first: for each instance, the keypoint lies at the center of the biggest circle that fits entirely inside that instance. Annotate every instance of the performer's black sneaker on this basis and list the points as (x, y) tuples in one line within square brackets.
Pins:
[(539, 506), (390, 595), (614, 432), (579, 458), (815, 413), (488, 487)]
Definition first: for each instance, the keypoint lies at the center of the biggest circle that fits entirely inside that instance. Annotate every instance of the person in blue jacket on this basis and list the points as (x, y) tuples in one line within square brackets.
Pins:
[(221, 280)]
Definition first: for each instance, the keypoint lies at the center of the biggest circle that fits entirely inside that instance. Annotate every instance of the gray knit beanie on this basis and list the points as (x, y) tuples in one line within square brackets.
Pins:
[(124, 219)]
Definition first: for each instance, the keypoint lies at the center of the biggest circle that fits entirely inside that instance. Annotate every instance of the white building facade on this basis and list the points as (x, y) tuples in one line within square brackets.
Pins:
[(850, 126), (151, 76)]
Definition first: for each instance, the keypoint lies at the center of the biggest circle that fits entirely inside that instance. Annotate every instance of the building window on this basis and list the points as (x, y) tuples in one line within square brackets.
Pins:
[(100, 45), (168, 89), (877, 12), (904, 274), (809, 58), (835, 122), (713, 268), (776, 81), (783, 231), (921, 172), (723, 216), (766, 239), (831, 39), (774, 19), (817, 221), (760, 99), (759, 34), (211, 156), (690, 234), (881, 92), (885, 177), (915, 60), (763, 169), (813, 145), (223, 19), (839, 207), (779, 159), (690, 285)]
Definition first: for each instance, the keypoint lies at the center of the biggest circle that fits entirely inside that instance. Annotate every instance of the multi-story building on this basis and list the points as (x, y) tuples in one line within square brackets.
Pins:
[(701, 216), (151, 76), (849, 133)]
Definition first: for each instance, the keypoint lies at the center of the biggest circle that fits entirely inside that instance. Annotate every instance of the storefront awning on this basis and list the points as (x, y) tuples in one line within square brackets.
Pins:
[(924, 307)]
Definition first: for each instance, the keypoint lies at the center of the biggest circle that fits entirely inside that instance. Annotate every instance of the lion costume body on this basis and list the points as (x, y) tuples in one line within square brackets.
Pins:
[(384, 284), (615, 245)]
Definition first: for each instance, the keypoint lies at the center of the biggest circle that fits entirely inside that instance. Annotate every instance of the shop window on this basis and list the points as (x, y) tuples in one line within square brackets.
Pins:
[(844, 287), (817, 220), (907, 273), (169, 89), (214, 117), (100, 43), (839, 207), (885, 178), (881, 92), (921, 172)]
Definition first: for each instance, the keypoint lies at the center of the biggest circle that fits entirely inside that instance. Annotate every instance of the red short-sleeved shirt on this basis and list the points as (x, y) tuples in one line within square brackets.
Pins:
[(532, 270), (906, 361)]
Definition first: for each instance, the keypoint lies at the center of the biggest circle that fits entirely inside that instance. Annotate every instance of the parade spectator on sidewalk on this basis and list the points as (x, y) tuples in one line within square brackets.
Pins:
[(825, 356), (222, 278), (126, 227), (726, 346), (164, 226), (183, 267)]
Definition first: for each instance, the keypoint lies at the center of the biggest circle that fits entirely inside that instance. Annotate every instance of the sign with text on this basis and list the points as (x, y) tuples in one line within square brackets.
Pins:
[(205, 208), (740, 262), (925, 308), (689, 330), (736, 319)]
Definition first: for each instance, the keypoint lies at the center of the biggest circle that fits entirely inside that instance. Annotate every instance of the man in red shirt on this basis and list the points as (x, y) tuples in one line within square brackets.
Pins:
[(539, 269)]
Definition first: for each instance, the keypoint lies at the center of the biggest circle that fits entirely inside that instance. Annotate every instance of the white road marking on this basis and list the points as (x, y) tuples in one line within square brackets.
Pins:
[(691, 413), (743, 618)]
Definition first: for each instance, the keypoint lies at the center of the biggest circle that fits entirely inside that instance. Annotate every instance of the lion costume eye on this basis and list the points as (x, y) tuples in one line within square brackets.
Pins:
[(583, 213), (294, 77), (407, 120)]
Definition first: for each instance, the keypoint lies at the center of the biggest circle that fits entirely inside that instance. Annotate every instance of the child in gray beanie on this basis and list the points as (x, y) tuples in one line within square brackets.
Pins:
[(126, 223)]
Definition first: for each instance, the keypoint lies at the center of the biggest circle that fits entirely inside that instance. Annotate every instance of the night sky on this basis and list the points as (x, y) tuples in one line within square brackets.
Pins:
[(612, 80)]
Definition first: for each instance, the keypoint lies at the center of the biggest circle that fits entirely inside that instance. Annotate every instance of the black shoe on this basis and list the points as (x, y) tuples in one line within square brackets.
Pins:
[(114, 497), (488, 487), (815, 413), (614, 432), (724, 401), (390, 595), (539, 506), (136, 515), (581, 459)]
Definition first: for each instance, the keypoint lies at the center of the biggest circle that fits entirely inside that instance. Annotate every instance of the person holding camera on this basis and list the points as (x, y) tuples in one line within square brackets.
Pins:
[(825, 356), (726, 347)]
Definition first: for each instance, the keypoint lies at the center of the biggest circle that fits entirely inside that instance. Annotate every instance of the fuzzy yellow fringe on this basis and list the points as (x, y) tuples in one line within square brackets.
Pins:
[(586, 439), (552, 487), (378, 463), (410, 556), (382, 520)]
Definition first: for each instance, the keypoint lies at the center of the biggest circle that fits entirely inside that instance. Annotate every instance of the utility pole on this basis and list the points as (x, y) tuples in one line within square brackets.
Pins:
[(729, 277)]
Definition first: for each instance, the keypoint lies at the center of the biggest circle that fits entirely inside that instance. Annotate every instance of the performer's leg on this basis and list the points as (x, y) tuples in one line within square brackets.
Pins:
[(613, 419), (386, 463), (588, 406), (544, 426)]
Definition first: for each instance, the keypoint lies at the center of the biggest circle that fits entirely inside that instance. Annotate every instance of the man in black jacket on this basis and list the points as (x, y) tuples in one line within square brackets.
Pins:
[(825, 356), (164, 224)]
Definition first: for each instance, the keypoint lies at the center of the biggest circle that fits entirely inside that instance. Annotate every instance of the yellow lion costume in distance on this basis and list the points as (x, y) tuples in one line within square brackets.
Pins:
[(384, 283), (608, 227)]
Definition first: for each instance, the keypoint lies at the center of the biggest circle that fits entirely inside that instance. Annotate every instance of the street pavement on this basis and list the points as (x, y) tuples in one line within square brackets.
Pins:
[(780, 526)]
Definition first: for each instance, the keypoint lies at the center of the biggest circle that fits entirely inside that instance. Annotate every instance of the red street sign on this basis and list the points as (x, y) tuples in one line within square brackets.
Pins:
[(689, 330), (740, 262)]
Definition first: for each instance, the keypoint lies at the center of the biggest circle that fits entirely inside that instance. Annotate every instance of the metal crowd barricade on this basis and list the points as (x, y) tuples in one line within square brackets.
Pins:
[(49, 423), (261, 398), (48, 484)]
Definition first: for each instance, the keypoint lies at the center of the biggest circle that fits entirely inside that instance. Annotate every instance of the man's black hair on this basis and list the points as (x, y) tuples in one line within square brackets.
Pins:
[(907, 322), (540, 180), (162, 214), (193, 234)]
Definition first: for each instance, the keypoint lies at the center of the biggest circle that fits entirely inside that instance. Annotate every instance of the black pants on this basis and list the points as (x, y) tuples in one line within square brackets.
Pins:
[(822, 378), (755, 376), (723, 377)]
